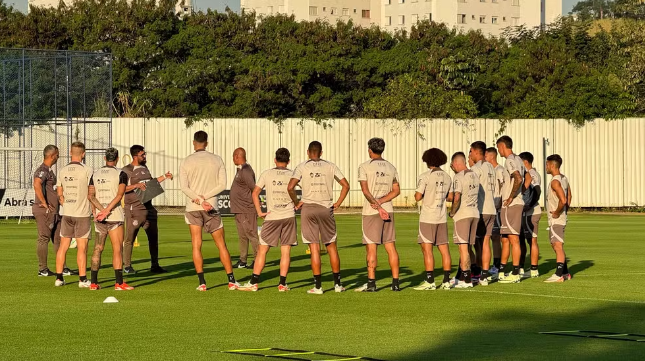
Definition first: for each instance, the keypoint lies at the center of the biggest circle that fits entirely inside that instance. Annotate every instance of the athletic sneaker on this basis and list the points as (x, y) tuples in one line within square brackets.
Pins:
[(201, 288), (493, 270), (567, 276), (510, 279), (464, 285), (68, 272), (445, 286), (426, 286), (315, 291), (239, 264), (339, 288), (454, 281), (365, 288), (250, 265), (233, 286), (501, 276), (59, 283), (535, 273), (45, 273), (475, 280), (395, 288), (523, 274), (283, 288), (73, 243), (157, 269), (248, 287), (95, 287), (483, 281), (123, 287), (554, 278), (129, 270), (84, 284)]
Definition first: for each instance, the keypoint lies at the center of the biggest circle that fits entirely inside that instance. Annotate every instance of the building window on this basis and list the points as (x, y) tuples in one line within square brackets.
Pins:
[(414, 1), (461, 1), (473, 17), (270, 10), (388, 20), (482, 1), (324, 8), (388, 2), (365, 14), (515, 21), (354, 11), (313, 10), (494, 1), (345, 12), (493, 20), (415, 18), (401, 19), (504, 19), (427, 16), (281, 9), (516, 3), (334, 11), (401, 1), (461, 18), (482, 19)]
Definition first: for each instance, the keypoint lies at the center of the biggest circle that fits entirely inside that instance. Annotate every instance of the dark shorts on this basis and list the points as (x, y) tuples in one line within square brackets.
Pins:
[(318, 224), (511, 220), (465, 231), (279, 232), (497, 225), (378, 231), (436, 234), (209, 221), (556, 233), (485, 225), (530, 225), (106, 227), (76, 227)]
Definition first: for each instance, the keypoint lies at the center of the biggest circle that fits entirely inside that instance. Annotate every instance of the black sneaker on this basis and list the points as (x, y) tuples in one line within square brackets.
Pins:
[(251, 265), (68, 272), (239, 264), (157, 269), (396, 287), (129, 270), (45, 273)]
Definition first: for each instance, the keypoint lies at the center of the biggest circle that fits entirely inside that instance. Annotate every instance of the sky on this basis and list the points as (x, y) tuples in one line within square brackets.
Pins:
[(235, 4)]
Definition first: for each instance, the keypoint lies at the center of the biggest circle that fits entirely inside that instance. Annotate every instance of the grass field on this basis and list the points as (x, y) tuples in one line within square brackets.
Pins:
[(164, 318)]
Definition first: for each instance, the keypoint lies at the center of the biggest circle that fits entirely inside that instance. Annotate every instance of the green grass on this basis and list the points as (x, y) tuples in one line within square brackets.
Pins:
[(165, 318)]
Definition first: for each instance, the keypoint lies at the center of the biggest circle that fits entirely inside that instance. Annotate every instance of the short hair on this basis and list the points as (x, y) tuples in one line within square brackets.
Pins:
[(508, 142), (479, 146), (376, 145), (527, 156), (135, 149), (78, 148), (282, 155), (200, 136), (458, 155), (111, 154), (49, 150), (491, 150), (434, 157), (315, 147), (556, 159)]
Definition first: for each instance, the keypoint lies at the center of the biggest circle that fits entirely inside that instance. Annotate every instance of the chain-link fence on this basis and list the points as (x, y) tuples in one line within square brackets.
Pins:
[(49, 97)]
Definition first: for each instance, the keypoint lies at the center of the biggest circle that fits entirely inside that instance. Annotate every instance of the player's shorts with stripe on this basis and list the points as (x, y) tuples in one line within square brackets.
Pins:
[(485, 225), (279, 232), (209, 221), (497, 225), (105, 227), (465, 231), (511, 220), (76, 227), (436, 234), (556, 233), (530, 225), (318, 224), (378, 231)]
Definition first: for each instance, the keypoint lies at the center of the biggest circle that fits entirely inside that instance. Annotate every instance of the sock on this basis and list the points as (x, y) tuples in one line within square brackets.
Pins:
[(255, 279), (460, 274), (118, 274), (467, 276), (497, 262), (484, 274), (231, 278), (318, 281), (95, 276), (502, 268), (395, 281), (430, 276), (559, 269), (446, 276), (82, 278), (59, 276), (283, 280), (534, 268), (371, 283), (202, 281), (566, 268), (516, 270), (337, 279)]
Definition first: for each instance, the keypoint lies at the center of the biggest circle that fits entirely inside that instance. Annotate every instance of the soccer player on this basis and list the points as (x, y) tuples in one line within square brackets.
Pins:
[(45, 210), (203, 176), (512, 207), (139, 215), (465, 213), (559, 201), (72, 187), (532, 215), (316, 177), (107, 187), (242, 207), (491, 157), (379, 182), (279, 227), (433, 187), (486, 206)]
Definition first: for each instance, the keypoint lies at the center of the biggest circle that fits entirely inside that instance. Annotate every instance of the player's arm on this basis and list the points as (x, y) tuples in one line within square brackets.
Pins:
[(343, 192), (396, 190), (569, 197), (368, 195), (119, 195), (256, 201), (562, 199), (91, 196), (38, 190), (221, 183), (517, 183), (184, 185), (418, 196), (249, 179), (456, 203), (162, 178), (527, 182), (291, 188), (61, 197)]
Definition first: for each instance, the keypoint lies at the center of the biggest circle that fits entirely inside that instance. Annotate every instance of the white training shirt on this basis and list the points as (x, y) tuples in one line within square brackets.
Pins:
[(466, 183), (380, 176), (317, 178), (279, 203), (435, 186)]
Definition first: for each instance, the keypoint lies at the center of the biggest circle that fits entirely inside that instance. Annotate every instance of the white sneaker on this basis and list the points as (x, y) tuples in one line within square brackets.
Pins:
[(315, 291), (493, 270), (554, 279), (248, 287), (535, 273), (59, 283), (73, 243), (483, 282), (510, 279), (454, 281), (445, 286), (339, 288), (501, 276), (84, 284), (426, 286), (464, 285), (523, 274), (233, 286), (365, 288)]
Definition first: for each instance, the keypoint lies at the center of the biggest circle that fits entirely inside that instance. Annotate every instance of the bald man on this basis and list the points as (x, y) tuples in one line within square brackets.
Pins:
[(246, 218)]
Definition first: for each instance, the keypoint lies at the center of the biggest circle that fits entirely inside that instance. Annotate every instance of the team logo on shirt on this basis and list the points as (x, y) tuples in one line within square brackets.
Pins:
[(278, 183), (135, 223), (42, 173), (315, 175), (380, 174)]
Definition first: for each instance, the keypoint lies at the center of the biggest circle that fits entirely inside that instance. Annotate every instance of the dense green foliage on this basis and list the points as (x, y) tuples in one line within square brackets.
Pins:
[(236, 65)]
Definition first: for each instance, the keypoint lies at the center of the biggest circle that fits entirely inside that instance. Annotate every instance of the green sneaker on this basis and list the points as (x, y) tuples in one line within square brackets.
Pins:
[(510, 279), (426, 286)]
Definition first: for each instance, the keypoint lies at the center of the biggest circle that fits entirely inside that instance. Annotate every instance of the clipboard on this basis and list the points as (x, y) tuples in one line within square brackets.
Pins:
[(153, 189)]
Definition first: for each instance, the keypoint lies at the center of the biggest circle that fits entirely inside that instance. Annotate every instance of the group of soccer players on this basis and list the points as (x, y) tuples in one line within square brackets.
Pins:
[(492, 205)]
